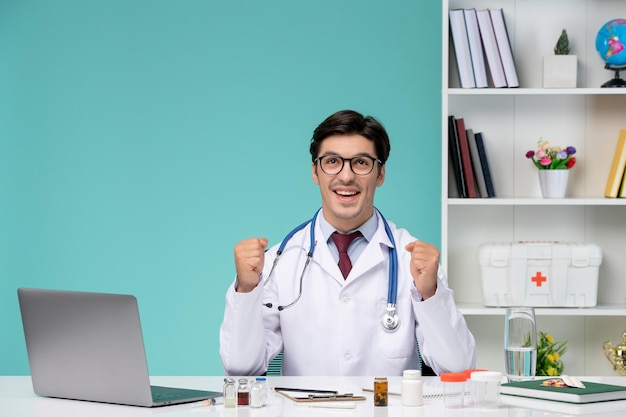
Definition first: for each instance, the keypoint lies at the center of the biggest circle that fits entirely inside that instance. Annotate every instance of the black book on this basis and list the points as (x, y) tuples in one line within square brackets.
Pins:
[(455, 157)]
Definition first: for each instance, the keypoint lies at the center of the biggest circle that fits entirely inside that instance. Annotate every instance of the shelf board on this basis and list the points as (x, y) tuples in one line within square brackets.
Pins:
[(534, 91), (536, 201), (471, 309)]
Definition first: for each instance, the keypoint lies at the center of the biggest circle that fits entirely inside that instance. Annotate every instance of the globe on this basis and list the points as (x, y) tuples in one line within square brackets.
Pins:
[(610, 42)]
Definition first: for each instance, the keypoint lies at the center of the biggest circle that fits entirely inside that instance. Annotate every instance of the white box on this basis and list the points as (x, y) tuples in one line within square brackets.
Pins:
[(540, 274)]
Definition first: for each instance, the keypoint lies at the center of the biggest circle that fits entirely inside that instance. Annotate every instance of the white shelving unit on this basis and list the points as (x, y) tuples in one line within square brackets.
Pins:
[(512, 120)]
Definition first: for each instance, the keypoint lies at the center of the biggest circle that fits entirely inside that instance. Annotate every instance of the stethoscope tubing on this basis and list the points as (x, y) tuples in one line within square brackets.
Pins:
[(390, 320)]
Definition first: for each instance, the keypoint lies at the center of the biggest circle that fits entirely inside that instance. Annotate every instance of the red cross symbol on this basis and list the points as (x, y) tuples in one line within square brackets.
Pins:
[(539, 279)]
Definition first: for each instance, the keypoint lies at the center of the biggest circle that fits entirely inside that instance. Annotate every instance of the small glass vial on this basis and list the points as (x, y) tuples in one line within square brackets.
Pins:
[(263, 382), (381, 389), (258, 395), (412, 390), (243, 392), (230, 393)]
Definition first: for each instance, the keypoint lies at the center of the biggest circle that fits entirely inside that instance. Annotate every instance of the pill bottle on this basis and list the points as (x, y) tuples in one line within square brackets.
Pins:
[(230, 393), (381, 391), (453, 389), (243, 392), (485, 389), (412, 390)]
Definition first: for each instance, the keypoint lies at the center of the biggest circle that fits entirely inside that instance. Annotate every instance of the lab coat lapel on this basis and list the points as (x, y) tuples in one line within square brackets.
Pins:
[(373, 255), (325, 258)]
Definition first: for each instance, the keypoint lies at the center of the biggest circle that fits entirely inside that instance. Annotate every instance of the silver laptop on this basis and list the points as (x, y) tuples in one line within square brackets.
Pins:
[(89, 346)]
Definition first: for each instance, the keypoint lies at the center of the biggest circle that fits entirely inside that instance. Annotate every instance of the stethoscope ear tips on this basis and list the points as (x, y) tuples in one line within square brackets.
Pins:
[(268, 305)]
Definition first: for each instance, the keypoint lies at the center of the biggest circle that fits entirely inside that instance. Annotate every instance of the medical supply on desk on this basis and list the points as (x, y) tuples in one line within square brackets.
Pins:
[(258, 393), (453, 389), (230, 393), (485, 388), (243, 392), (390, 320), (412, 389), (381, 388)]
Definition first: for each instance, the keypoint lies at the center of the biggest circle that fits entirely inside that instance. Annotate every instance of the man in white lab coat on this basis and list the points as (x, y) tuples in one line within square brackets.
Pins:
[(326, 324)]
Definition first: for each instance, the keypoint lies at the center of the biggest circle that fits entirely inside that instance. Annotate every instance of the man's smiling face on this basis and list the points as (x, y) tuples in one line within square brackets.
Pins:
[(347, 198)]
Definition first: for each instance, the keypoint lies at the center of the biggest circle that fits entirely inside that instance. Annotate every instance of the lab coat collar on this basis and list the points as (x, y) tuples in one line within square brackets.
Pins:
[(373, 254)]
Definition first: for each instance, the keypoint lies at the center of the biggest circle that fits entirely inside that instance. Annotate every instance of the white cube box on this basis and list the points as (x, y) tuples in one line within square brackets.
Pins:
[(540, 274)]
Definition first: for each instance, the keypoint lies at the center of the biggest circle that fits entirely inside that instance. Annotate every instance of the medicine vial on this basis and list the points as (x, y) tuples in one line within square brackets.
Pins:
[(412, 390), (243, 392), (381, 389), (230, 393), (258, 393)]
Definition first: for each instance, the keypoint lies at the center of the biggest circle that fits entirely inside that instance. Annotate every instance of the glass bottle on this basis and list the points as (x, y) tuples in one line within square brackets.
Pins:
[(256, 394), (380, 391), (230, 393), (243, 392)]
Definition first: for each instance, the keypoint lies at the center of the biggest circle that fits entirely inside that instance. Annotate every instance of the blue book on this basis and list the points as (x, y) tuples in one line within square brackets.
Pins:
[(484, 163)]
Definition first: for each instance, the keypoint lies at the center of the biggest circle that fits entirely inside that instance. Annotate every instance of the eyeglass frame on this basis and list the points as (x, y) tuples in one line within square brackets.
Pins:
[(343, 163)]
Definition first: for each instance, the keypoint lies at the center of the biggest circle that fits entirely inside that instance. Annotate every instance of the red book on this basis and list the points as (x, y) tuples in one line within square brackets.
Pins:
[(466, 159)]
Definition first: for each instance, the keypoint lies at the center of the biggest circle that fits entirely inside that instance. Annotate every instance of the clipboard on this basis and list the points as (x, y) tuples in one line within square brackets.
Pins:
[(303, 395)]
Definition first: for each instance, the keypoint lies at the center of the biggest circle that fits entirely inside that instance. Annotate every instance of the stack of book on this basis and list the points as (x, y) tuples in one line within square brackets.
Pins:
[(468, 157), (616, 182), (482, 47)]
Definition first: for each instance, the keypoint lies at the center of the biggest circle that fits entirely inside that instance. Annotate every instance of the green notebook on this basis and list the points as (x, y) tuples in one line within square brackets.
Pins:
[(593, 391)]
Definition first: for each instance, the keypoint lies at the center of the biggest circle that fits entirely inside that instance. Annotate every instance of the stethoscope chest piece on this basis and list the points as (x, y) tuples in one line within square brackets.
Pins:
[(390, 320)]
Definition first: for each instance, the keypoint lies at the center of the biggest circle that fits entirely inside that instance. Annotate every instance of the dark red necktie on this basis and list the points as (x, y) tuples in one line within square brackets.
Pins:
[(343, 242)]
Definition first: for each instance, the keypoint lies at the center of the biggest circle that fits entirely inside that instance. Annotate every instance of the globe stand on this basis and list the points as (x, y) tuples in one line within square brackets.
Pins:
[(616, 81)]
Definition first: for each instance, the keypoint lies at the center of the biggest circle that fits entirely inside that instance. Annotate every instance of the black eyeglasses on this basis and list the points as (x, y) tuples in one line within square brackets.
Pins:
[(360, 165)]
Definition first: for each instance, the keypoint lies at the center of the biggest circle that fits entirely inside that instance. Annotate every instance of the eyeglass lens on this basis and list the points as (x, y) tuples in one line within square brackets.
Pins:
[(360, 165)]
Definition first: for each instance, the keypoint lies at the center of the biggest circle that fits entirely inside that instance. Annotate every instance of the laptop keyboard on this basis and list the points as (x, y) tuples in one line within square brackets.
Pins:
[(163, 394)]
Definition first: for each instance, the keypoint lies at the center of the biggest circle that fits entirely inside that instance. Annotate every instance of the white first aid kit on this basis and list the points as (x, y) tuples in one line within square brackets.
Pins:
[(540, 274)]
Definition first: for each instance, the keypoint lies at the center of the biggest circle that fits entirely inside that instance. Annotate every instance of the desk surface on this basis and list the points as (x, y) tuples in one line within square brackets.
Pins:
[(18, 400)]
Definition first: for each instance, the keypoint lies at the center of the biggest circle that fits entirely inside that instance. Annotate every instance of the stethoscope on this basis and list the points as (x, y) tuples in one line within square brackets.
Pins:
[(390, 320)]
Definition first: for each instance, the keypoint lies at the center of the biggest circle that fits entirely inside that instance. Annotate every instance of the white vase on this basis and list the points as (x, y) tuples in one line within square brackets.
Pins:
[(553, 182), (559, 71)]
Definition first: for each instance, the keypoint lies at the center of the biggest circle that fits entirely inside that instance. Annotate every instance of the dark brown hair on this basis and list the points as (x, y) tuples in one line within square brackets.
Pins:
[(349, 122)]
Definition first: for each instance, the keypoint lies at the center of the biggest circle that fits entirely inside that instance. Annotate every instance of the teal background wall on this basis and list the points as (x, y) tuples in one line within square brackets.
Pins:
[(141, 139)]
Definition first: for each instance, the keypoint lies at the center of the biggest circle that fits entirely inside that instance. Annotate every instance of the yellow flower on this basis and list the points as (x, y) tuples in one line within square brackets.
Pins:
[(550, 357), (556, 356), (552, 372), (550, 339)]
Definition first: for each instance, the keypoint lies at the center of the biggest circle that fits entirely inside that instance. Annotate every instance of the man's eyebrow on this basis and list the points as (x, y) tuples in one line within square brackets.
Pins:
[(354, 156)]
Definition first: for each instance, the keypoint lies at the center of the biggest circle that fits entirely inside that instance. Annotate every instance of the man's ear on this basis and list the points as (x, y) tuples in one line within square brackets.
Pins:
[(381, 176), (316, 179)]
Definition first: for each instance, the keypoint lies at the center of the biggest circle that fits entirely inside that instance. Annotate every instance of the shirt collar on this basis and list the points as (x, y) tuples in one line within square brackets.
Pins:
[(367, 229)]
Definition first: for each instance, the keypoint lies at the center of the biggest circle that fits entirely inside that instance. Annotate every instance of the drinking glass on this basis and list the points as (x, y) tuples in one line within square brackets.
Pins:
[(520, 343)]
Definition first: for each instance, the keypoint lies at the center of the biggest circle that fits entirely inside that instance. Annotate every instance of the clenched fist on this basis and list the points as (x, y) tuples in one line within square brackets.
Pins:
[(424, 267), (249, 261)]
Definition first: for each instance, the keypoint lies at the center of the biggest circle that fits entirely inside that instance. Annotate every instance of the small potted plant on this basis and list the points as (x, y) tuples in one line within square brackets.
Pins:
[(553, 163), (560, 69), (549, 355)]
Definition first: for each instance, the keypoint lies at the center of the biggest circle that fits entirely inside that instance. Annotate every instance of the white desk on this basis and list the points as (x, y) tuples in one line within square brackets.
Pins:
[(18, 400)]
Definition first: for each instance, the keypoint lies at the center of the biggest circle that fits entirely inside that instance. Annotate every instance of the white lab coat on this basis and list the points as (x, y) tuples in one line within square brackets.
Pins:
[(335, 327)]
